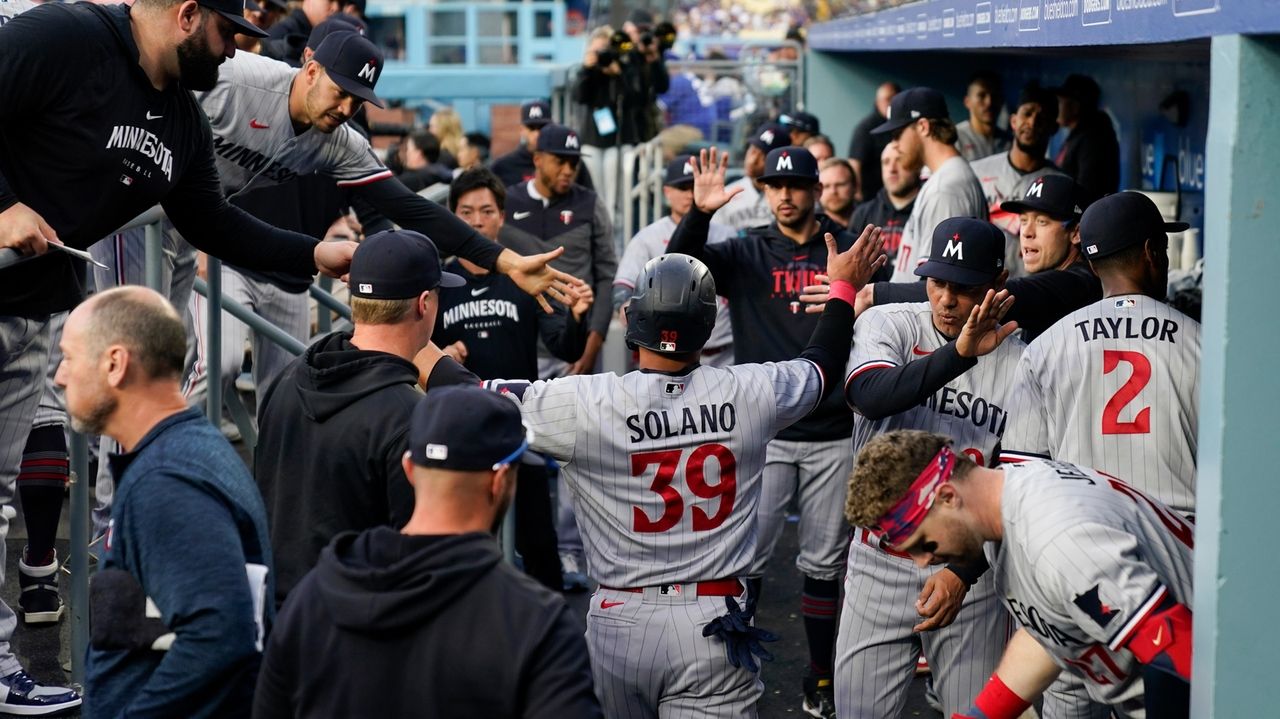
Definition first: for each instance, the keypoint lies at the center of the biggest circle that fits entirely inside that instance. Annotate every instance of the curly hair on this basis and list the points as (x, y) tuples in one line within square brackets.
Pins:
[(886, 467)]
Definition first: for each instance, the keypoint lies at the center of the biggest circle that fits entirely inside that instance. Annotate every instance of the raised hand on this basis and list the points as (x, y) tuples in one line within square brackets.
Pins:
[(983, 332), (709, 192), (859, 263)]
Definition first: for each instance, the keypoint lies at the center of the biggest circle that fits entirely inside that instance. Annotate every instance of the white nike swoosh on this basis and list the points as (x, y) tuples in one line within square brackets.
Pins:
[(520, 215), (153, 117), (479, 291)]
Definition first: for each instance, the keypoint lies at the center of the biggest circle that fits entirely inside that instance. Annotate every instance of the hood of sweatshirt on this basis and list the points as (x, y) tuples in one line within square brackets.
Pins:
[(381, 580), (336, 373)]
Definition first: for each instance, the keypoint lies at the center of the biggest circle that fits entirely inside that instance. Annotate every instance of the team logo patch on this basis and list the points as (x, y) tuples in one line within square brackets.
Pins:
[(1090, 603), (366, 287), (688, 169), (1035, 189), (535, 112), (1092, 249), (669, 590), (784, 163), (767, 137), (369, 71), (437, 452), (566, 216), (673, 389), (126, 180), (571, 141), (1124, 302)]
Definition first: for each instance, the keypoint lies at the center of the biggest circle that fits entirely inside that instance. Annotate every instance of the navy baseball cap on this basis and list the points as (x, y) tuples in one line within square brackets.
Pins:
[(679, 172), (535, 113), (910, 105), (791, 162), (233, 10), (1057, 196), (352, 62), (397, 265), (335, 23), (802, 121), (559, 140), (466, 429), (771, 136), (965, 251), (1120, 221)]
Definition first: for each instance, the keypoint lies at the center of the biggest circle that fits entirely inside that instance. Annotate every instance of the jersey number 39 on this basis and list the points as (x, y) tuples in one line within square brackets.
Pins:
[(695, 479)]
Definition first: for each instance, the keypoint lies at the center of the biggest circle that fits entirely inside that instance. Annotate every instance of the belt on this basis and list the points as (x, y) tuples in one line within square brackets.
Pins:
[(713, 588), (869, 540)]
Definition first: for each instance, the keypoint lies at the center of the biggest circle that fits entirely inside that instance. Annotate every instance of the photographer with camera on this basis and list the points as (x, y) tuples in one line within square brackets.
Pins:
[(622, 74)]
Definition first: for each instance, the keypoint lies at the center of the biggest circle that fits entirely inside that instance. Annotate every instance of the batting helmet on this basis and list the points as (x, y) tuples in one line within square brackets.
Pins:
[(674, 305)]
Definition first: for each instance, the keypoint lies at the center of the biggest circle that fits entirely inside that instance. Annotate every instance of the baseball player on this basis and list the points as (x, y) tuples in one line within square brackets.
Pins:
[(652, 241), (252, 114), (748, 207), (1097, 573), (665, 468), (516, 166), (1115, 385), (1007, 176), (921, 127), (1059, 280), (940, 366), (761, 273)]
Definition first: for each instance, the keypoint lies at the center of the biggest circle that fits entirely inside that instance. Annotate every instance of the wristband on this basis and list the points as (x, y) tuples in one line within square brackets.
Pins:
[(997, 701), (843, 290)]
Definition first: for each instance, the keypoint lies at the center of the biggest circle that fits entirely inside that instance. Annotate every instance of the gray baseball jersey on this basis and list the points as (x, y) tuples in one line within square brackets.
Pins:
[(1002, 181), (876, 649), (1085, 558), (748, 209), (952, 191), (650, 242), (693, 446), (253, 137), (1114, 386), (974, 146), (664, 472)]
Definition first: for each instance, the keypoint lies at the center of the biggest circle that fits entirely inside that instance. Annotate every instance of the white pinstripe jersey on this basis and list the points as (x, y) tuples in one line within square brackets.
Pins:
[(1114, 386), (253, 137), (665, 469), (972, 409), (12, 8), (650, 242), (1084, 559)]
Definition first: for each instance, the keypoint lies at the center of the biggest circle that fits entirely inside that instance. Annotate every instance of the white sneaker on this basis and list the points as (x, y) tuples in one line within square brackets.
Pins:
[(24, 696)]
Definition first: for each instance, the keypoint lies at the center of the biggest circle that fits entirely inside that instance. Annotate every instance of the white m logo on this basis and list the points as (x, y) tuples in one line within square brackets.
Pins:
[(535, 112), (367, 72), (767, 137), (688, 169), (784, 163), (571, 141), (1034, 190), (954, 249)]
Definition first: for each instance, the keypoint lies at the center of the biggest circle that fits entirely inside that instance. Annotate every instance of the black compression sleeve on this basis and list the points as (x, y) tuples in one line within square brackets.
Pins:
[(970, 573), (829, 344), (882, 392), (448, 372), (890, 293), (690, 237), (450, 235)]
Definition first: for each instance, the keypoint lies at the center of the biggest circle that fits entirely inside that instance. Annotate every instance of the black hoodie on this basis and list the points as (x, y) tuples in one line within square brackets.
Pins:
[(392, 625), (332, 432)]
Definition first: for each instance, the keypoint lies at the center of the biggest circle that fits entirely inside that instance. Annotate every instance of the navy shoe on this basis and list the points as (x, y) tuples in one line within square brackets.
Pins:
[(26, 697)]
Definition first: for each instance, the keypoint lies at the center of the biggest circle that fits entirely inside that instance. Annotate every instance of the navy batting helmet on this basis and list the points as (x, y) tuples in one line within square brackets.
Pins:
[(674, 306)]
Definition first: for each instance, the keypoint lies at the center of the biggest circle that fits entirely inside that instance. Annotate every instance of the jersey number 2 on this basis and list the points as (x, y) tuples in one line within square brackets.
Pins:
[(668, 462), (1111, 423)]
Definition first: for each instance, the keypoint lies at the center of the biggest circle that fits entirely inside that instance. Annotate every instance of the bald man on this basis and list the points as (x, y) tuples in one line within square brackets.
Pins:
[(123, 354)]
